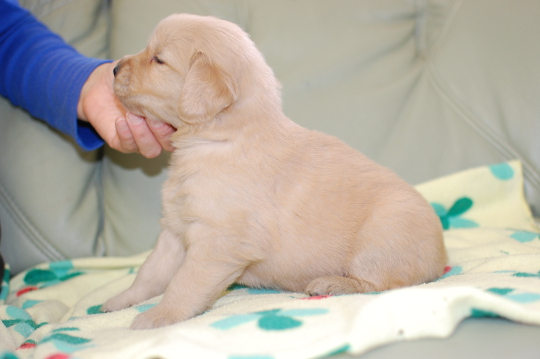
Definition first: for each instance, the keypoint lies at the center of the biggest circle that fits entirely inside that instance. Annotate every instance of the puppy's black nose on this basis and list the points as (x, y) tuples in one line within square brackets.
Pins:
[(116, 69)]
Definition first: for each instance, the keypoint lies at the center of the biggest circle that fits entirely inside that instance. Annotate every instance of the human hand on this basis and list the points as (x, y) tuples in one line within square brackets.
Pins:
[(126, 133)]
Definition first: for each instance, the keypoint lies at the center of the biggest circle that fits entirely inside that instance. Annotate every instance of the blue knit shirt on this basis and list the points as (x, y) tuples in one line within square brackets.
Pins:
[(44, 75)]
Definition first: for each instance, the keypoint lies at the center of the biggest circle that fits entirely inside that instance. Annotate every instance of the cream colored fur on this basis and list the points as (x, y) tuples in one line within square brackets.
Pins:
[(251, 196)]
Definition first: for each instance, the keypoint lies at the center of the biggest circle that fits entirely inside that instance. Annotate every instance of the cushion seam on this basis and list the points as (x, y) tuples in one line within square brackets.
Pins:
[(506, 149), (27, 227)]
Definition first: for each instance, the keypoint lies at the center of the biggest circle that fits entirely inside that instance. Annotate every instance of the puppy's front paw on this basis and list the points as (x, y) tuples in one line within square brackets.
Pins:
[(118, 302), (157, 317)]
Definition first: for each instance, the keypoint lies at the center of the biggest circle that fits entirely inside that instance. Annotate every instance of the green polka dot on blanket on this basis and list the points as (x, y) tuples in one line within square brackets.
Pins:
[(502, 171), (524, 237), (454, 216)]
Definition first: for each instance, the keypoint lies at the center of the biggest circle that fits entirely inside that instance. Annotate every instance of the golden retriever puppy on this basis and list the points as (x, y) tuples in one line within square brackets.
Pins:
[(251, 196)]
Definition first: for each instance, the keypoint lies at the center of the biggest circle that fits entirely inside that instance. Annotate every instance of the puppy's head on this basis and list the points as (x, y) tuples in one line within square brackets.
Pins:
[(190, 72)]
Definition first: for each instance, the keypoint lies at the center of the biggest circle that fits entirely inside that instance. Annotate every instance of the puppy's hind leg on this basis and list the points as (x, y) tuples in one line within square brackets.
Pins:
[(336, 285), (154, 275)]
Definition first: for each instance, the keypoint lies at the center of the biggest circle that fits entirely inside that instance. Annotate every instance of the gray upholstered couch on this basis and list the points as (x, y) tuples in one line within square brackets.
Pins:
[(426, 87)]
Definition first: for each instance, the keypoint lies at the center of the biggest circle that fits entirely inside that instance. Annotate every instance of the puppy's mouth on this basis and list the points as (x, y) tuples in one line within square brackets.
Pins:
[(125, 96), (131, 106), (121, 88)]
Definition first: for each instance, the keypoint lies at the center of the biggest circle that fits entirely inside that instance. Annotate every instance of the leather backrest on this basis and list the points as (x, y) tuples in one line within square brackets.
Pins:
[(426, 88)]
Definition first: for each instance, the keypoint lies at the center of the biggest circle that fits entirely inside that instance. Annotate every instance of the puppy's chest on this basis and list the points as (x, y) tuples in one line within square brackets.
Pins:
[(210, 192)]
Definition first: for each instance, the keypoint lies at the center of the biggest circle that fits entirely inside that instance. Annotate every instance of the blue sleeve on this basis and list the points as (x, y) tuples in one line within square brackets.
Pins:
[(44, 75)]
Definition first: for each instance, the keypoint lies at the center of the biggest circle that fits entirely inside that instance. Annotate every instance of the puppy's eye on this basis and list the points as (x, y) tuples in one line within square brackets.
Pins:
[(158, 60)]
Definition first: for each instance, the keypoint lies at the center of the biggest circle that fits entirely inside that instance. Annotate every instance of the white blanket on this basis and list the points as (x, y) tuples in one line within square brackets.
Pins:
[(52, 311)]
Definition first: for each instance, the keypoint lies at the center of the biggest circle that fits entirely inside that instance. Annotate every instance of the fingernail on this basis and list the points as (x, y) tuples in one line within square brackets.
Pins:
[(155, 123), (122, 125), (134, 119)]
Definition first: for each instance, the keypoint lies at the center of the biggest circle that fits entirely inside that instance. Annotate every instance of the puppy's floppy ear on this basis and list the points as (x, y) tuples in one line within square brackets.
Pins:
[(207, 91)]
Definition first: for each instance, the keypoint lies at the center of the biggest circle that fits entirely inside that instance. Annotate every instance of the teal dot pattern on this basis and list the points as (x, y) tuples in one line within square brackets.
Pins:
[(67, 340), (502, 171), (524, 236), (56, 273), (270, 320), (516, 295), (4, 288), (95, 309), (454, 216)]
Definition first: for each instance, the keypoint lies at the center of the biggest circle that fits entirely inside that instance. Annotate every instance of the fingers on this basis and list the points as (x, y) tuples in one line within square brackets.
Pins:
[(126, 142), (162, 131), (148, 138)]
